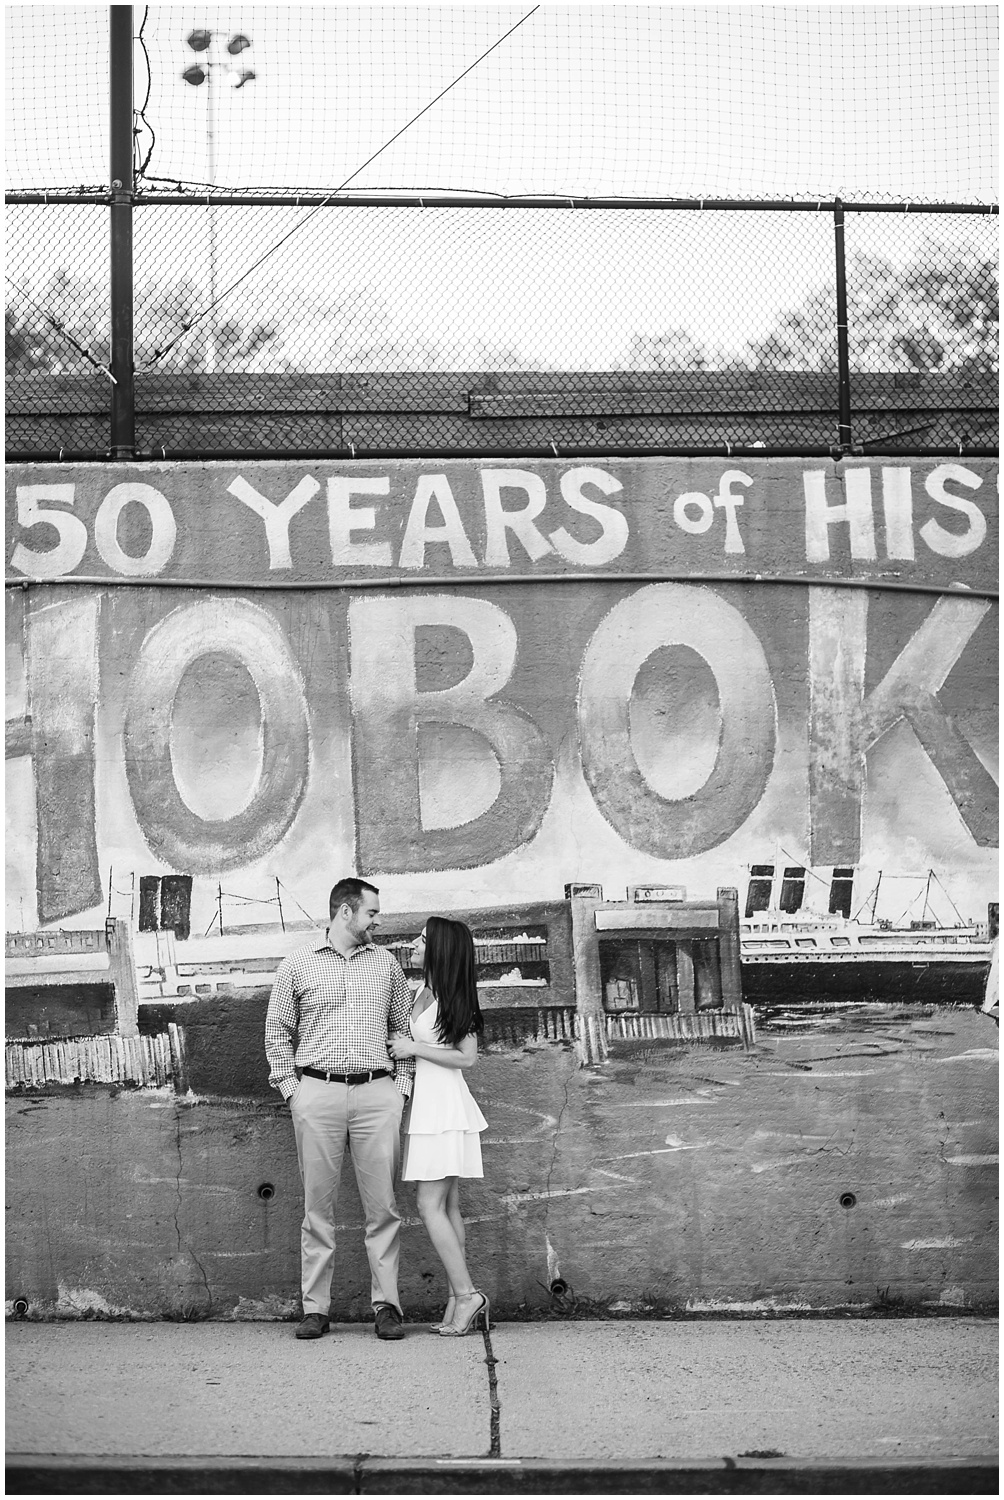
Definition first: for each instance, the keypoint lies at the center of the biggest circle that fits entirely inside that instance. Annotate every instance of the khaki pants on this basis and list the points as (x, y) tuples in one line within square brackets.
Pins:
[(368, 1116)]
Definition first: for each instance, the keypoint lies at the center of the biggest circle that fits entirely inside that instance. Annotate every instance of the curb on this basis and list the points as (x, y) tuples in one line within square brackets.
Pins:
[(34, 1474)]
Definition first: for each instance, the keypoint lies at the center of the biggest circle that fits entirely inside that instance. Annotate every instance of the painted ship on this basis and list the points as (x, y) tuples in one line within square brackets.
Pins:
[(245, 958), (803, 939), (793, 953)]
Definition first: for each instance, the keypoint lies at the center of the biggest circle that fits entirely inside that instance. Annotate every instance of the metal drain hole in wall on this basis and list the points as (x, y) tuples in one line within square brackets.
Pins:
[(266, 1192), (847, 1200), (20, 1306)]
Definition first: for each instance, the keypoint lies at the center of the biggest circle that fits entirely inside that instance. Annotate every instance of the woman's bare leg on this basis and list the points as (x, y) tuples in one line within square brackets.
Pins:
[(455, 1216), (456, 1219), (432, 1210)]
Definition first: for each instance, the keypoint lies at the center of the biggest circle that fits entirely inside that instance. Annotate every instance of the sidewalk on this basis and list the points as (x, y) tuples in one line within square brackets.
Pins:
[(816, 1406)]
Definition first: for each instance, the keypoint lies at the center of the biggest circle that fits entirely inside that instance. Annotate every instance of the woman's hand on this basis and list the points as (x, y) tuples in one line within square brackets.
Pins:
[(400, 1046)]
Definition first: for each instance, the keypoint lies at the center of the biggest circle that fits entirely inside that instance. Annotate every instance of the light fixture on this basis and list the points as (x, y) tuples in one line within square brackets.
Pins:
[(201, 40)]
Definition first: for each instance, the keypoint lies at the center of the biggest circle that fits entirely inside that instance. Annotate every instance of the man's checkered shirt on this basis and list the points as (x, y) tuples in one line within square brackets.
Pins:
[(335, 1013)]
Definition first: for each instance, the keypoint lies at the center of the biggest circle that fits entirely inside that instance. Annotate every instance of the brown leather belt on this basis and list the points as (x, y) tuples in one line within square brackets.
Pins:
[(347, 1077)]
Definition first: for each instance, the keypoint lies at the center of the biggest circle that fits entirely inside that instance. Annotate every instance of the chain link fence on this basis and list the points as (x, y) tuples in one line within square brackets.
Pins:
[(267, 328), (494, 315)]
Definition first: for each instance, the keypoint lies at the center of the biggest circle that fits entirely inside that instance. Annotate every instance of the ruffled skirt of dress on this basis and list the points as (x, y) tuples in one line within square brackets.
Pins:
[(442, 1131), (448, 1153)]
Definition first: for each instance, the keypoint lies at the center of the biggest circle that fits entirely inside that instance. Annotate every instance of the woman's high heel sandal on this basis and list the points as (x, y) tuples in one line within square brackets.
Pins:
[(477, 1319)]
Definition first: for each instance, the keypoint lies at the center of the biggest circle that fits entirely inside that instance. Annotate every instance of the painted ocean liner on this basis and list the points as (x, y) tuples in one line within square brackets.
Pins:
[(806, 936), (791, 951)]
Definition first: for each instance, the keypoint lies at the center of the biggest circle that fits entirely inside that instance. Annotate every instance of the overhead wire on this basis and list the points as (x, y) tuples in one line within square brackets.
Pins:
[(159, 354)]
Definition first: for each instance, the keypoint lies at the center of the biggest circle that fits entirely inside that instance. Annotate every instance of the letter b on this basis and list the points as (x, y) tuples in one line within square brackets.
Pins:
[(388, 710)]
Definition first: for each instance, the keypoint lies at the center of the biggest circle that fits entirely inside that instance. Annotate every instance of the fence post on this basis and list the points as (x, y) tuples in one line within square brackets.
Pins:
[(123, 401), (843, 344)]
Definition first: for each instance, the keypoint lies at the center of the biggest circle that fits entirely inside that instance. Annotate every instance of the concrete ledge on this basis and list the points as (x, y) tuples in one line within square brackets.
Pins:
[(712, 1476), (37, 1474), (34, 1474)]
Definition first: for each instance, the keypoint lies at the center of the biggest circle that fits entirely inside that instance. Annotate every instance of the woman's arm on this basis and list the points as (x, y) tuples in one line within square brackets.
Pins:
[(464, 1056)]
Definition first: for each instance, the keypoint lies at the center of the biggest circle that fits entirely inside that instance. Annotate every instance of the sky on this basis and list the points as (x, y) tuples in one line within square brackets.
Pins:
[(871, 102), (659, 100)]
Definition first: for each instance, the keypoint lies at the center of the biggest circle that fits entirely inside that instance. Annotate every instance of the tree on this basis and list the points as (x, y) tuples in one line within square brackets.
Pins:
[(937, 313), (50, 330), (310, 334), (676, 349)]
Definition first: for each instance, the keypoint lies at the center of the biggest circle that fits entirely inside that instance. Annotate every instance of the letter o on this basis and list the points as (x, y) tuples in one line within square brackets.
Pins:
[(671, 614), (106, 525), (253, 637), (695, 525)]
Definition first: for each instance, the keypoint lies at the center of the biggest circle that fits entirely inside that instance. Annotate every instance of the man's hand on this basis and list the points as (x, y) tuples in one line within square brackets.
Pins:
[(400, 1046)]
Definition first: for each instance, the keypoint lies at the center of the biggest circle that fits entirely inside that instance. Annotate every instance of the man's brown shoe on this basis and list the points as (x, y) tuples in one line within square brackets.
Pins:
[(388, 1322), (313, 1325)]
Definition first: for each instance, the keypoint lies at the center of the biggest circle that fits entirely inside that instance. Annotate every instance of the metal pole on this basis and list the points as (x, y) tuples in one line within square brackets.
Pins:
[(425, 201), (123, 402), (843, 346), (211, 154)]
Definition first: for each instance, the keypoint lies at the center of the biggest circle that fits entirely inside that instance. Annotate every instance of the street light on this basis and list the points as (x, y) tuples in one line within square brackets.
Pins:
[(201, 42)]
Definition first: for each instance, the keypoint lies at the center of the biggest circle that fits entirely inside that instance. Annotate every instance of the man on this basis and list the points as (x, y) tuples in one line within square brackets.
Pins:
[(331, 1007)]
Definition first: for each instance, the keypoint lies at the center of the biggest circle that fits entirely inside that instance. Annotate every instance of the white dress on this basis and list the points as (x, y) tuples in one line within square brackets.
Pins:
[(442, 1134)]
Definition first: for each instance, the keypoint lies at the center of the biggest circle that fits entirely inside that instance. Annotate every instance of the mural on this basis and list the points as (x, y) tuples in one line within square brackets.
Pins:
[(484, 735), (210, 523), (690, 744)]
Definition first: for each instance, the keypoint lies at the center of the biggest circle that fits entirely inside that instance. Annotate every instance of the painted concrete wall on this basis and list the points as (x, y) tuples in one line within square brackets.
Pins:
[(668, 1178), (478, 683)]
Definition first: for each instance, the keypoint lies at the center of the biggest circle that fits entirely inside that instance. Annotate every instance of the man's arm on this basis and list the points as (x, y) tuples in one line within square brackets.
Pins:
[(398, 1013), (281, 1021)]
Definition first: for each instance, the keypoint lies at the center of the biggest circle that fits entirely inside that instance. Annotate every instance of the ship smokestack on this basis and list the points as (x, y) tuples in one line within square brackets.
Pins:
[(758, 892), (841, 891), (792, 888)]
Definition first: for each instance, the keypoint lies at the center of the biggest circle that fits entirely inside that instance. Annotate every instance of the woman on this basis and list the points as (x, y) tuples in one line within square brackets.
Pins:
[(442, 1142)]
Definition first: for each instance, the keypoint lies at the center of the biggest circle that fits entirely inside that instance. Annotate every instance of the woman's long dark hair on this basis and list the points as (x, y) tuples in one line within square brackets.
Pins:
[(451, 974)]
